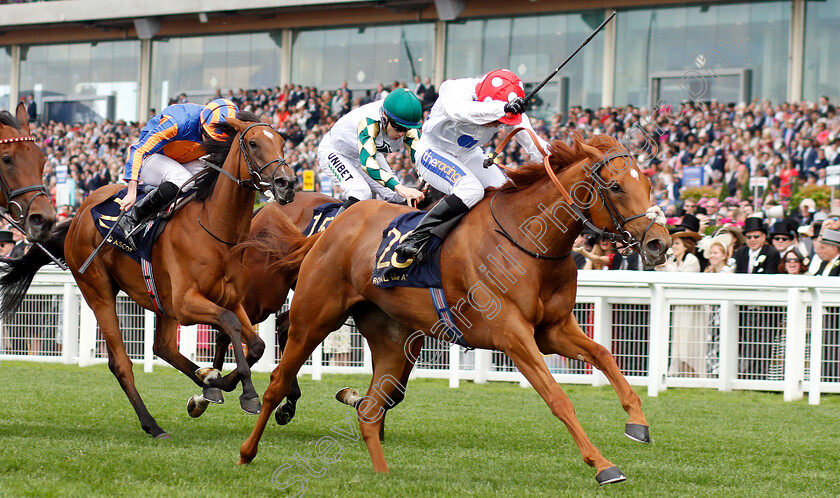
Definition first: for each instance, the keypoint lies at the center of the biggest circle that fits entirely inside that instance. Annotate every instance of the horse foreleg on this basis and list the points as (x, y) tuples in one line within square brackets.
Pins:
[(522, 349), (567, 339), (298, 349), (195, 308), (256, 348)]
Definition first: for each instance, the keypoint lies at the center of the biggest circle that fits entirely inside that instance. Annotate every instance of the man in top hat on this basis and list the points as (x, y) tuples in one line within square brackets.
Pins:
[(7, 243), (783, 236), (757, 256), (829, 253), (688, 223)]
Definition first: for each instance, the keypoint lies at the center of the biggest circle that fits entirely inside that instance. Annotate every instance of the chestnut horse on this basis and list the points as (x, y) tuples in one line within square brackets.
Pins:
[(23, 196), (522, 305), (198, 266), (276, 232)]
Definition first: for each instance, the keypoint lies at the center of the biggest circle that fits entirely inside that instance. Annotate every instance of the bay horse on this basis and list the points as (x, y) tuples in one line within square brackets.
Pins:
[(197, 263), (513, 290), (23, 196)]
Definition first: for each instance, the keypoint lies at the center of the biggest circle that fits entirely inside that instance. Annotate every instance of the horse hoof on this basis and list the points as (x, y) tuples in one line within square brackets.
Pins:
[(208, 375), (196, 405), (637, 432), (347, 395), (163, 435), (284, 414), (251, 406), (213, 395), (610, 475)]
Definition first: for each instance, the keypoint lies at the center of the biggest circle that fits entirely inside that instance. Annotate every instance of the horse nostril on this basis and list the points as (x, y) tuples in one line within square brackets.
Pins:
[(36, 221), (654, 246)]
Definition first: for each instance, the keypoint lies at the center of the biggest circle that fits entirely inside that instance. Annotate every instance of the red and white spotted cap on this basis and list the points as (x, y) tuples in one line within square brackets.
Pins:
[(501, 85)]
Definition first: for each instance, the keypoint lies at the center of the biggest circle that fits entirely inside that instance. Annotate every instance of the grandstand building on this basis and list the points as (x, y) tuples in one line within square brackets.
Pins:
[(84, 59)]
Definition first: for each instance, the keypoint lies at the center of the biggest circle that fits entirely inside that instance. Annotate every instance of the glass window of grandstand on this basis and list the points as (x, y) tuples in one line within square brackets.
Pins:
[(364, 57), (196, 68), (82, 82), (822, 37), (5, 78), (726, 53), (532, 47)]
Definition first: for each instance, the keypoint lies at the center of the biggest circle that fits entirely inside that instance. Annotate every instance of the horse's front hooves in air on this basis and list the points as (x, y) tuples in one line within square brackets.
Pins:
[(610, 475), (213, 395), (284, 414), (251, 406), (163, 435), (637, 432), (196, 405)]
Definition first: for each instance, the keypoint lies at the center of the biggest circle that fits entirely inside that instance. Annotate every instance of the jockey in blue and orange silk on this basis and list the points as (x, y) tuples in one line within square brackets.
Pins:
[(167, 156), (466, 115)]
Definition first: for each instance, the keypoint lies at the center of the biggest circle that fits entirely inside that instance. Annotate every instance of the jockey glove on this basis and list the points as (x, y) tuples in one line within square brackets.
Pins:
[(516, 106)]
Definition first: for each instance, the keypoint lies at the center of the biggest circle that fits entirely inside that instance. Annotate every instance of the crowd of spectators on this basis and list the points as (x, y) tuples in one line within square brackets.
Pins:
[(723, 145)]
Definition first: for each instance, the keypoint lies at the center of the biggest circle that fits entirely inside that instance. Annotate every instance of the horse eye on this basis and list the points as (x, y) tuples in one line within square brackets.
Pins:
[(7, 159), (252, 144), (615, 188)]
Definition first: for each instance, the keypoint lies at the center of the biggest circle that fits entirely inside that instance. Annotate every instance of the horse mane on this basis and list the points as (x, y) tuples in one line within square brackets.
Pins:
[(562, 156), (218, 150), (8, 119)]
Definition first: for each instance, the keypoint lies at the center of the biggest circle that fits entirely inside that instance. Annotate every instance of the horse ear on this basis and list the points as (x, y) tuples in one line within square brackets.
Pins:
[(239, 125), (592, 153), (22, 116)]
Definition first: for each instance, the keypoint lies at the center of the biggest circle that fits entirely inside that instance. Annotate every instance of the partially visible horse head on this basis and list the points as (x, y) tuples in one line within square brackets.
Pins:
[(624, 199), (264, 164), (22, 190)]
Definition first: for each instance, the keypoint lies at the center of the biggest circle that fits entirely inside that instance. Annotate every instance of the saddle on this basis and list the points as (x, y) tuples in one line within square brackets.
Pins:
[(105, 214), (392, 271)]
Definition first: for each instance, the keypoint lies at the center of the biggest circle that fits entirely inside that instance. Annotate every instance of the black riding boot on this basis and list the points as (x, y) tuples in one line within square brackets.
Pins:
[(448, 208), (349, 202), (146, 207)]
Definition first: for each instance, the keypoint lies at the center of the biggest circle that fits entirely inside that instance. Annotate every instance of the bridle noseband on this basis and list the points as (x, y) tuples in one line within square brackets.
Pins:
[(620, 233), (255, 181), (10, 194)]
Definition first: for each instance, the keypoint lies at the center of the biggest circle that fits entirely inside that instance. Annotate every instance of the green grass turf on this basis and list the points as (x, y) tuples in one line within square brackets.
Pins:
[(69, 431)]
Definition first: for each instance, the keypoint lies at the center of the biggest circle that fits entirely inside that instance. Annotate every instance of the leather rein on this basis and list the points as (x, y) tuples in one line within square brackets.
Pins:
[(619, 235)]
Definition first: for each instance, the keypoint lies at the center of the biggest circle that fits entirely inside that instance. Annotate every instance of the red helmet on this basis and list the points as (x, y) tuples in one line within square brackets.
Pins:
[(501, 85)]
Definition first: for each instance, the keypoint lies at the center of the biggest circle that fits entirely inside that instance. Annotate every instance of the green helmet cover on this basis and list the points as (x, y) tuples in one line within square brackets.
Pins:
[(404, 108)]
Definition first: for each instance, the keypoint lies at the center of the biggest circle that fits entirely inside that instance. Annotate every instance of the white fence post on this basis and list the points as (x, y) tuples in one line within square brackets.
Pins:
[(454, 365), (70, 324), (728, 371), (817, 312), (659, 333), (482, 365), (87, 335), (601, 333), (268, 333), (794, 346), (189, 341), (148, 340), (317, 362)]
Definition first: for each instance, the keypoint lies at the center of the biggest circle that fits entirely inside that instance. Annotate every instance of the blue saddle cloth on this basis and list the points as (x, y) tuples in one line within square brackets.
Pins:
[(322, 217), (105, 215), (392, 271)]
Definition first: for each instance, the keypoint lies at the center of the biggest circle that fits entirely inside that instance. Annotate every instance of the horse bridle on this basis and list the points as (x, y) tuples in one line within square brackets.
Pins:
[(255, 181), (620, 233), (10, 194)]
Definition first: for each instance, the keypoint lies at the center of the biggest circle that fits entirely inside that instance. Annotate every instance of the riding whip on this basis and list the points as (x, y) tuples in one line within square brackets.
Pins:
[(489, 160), (585, 42), (99, 247)]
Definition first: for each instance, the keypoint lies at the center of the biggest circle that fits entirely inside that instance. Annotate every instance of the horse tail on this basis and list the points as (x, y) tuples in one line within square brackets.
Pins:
[(300, 249), (18, 273)]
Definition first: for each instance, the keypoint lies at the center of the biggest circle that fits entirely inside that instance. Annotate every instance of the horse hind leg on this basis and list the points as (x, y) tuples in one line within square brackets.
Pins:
[(104, 307), (567, 339), (286, 411)]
